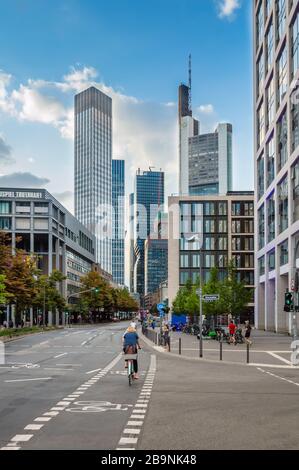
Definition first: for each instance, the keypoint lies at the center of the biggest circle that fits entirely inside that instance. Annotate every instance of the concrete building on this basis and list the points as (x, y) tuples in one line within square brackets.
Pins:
[(118, 229), (210, 162), (148, 203), (225, 225), (93, 171), (50, 232), (276, 162)]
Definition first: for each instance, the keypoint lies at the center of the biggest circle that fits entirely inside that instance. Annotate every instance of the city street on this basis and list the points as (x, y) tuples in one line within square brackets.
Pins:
[(68, 390)]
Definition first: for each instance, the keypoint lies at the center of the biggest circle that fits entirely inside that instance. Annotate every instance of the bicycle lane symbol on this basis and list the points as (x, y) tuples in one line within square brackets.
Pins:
[(97, 407)]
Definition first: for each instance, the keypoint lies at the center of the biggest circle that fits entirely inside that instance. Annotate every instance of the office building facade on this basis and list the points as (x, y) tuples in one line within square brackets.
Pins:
[(225, 227), (148, 203), (118, 229), (276, 162), (37, 223), (210, 162), (93, 169)]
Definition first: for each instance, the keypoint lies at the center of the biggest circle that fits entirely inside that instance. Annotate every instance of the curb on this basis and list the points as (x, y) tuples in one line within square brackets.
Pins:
[(15, 338), (160, 349)]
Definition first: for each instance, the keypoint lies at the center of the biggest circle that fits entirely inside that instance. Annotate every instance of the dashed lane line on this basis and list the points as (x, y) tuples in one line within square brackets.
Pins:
[(278, 377), (132, 430), (18, 439)]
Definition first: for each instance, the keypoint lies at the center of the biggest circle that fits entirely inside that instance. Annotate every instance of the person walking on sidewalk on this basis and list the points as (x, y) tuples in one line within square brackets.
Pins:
[(248, 332), (232, 331), (166, 336)]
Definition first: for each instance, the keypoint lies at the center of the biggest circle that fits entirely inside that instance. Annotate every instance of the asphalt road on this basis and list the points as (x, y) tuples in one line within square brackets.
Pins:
[(69, 390)]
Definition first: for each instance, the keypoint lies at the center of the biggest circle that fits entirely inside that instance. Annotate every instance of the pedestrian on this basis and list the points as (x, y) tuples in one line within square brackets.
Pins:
[(166, 336), (248, 332), (232, 331), (153, 324)]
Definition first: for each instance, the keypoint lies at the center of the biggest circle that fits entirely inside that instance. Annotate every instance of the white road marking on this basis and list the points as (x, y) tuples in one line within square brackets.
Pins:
[(57, 408), (33, 427), (131, 431), (92, 371), (279, 357), (22, 437), (60, 355), (28, 380), (278, 377), (62, 403), (138, 413), (41, 420), (84, 342), (10, 448), (51, 413), (57, 368), (128, 440)]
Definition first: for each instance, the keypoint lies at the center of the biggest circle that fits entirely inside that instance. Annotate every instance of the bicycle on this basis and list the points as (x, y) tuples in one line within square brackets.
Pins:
[(130, 358)]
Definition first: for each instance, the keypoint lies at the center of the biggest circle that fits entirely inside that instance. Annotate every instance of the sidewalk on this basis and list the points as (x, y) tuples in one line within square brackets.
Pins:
[(268, 349)]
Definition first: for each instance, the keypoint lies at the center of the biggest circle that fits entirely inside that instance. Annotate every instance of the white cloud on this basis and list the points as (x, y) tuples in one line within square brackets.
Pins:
[(206, 109), (23, 180), (6, 157), (227, 8), (144, 133)]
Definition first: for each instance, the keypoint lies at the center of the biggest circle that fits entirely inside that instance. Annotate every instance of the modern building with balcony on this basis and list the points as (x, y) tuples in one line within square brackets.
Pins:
[(276, 161), (224, 226)]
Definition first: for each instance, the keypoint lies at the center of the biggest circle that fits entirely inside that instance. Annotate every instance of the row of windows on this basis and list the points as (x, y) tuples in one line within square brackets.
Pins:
[(283, 258)]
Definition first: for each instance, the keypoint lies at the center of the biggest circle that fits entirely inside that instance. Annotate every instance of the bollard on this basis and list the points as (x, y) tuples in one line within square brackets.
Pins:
[(169, 344), (221, 350), (247, 353), (180, 346)]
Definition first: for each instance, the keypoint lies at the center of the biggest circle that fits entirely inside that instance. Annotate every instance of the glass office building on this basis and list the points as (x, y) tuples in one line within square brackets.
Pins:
[(148, 203), (276, 161), (118, 240), (93, 169), (155, 264)]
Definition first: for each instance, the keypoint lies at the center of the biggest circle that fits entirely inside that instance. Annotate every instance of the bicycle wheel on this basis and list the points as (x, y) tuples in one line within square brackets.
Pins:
[(130, 374)]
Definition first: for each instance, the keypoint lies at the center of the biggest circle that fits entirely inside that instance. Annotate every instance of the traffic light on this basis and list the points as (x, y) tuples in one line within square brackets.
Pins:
[(288, 301)]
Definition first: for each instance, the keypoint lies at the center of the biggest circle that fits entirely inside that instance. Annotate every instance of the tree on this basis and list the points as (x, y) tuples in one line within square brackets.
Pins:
[(48, 292), (97, 301), (235, 296), (3, 292)]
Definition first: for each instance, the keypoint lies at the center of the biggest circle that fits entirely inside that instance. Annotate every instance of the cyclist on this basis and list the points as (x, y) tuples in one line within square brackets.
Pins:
[(232, 331), (131, 346)]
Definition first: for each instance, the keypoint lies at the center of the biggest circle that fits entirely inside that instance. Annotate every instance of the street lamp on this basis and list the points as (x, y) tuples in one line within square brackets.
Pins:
[(193, 239)]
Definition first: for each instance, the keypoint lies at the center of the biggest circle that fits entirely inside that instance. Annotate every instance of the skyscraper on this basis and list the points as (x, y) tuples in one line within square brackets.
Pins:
[(148, 203), (188, 127), (118, 232), (210, 162), (93, 156), (276, 93)]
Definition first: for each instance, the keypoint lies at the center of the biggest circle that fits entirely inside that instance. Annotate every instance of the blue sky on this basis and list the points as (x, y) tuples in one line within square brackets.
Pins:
[(136, 51)]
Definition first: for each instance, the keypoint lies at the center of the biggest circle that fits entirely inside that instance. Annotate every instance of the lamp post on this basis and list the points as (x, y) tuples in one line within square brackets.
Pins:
[(193, 239)]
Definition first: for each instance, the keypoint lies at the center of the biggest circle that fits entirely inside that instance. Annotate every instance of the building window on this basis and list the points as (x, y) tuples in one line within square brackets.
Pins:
[(236, 208), (283, 205), (5, 207), (184, 277), (210, 226), (249, 244), (5, 223), (249, 209), (295, 46), (261, 125), (270, 47), (295, 190), (270, 103), (282, 132), (236, 244), (270, 150), (22, 224), (184, 261), (209, 261), (282, 81), (222, 261), (260, 75), (261, 228), (236, 226), (209, 243), (222, 226), (271, 260), (261, 176), (196, 261), (259, 25), (281, 18), (284, 253), (209, 208), (295, 124), (261, 263), (271, 218), (222, 208), (41, 224), (222, 243)]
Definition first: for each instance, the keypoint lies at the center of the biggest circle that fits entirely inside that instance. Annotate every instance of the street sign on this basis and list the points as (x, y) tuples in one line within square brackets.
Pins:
[(211, 297), (198, 291), (160, 306)]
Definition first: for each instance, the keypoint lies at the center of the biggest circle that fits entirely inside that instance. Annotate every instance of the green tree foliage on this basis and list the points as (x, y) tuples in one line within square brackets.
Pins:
[(3, 292)]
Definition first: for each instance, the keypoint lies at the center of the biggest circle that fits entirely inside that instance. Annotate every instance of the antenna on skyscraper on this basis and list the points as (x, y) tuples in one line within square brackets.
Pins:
[(190, 83)]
